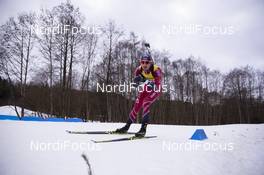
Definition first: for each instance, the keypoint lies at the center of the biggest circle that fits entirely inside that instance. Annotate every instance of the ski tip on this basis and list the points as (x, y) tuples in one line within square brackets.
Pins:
[(151, 137), (94, 141), (70, 132)]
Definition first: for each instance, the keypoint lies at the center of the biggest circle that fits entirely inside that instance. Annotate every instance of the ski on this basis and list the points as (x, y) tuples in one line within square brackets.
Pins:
[(97, 132), (123, 139)]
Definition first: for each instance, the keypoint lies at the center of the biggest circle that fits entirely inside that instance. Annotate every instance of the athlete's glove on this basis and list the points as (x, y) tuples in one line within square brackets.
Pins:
[(138, 79), (151, 85)]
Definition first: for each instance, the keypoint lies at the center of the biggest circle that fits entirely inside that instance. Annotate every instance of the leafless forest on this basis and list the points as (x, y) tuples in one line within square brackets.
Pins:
[(57, 72)]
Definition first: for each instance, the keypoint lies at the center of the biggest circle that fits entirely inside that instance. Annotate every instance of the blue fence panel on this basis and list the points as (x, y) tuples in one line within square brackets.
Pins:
[(74, 120), (33, 118), (8, 117), (52, 119)]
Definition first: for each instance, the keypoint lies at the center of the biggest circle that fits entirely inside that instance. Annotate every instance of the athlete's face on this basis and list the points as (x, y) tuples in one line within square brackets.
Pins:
[(145, 64)]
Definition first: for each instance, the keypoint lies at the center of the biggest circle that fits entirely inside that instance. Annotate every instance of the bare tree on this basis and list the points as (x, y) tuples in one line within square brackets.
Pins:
[(87, 61), (47, 48), (178, 82), (112, 35), (260, 85), (68, 40), (235, 86), (19, 39)]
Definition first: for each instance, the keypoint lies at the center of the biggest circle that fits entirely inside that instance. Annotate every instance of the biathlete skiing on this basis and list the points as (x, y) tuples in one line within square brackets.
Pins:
[(147, 81), (151, 74)]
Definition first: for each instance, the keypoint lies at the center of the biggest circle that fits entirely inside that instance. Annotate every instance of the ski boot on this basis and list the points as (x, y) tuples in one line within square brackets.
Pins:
[(125, 128), (122, 130), (142, 131)]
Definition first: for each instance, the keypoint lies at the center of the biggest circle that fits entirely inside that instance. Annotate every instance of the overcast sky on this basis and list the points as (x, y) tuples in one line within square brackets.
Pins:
[(224, 34)]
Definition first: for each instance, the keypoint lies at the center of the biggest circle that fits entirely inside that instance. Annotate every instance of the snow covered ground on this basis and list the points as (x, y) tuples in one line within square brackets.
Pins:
[(42, 148)]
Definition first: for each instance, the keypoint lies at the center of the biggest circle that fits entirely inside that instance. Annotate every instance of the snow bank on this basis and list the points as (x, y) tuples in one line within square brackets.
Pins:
[(10, 110), (45, 148)]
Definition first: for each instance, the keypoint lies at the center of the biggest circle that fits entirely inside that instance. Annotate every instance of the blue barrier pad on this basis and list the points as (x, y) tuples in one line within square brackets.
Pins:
[(52, 119), (33, 118), (74, 120), (8, 117)]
